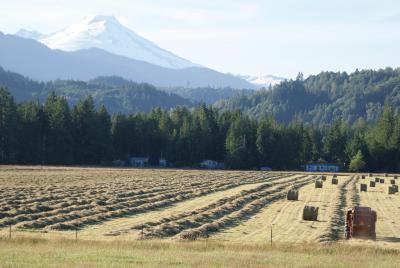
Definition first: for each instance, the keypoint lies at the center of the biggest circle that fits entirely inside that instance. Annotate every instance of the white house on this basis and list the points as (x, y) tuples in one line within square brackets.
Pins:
[(162, 162), (210, 164), (138, 161)]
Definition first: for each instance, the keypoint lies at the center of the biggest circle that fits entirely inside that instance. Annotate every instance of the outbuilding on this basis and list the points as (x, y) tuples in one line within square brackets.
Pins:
[(211, 164), (322, 167)]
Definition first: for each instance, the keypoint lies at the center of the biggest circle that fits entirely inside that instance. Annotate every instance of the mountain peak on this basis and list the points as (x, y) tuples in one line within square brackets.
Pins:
[(101, 18), (107, 33)]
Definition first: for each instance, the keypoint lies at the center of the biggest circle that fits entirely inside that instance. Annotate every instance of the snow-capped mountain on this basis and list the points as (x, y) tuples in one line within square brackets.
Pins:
[(30, 34), (263, 80), (107, 33)]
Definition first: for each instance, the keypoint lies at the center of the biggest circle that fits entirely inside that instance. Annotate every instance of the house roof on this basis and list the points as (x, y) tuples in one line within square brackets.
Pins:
[(325, 164)]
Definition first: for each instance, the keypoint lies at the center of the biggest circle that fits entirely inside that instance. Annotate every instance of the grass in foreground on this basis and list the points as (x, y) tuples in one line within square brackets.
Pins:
[(68, 253)]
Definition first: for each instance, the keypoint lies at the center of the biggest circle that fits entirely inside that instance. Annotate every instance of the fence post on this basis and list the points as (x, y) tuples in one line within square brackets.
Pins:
[(76, 234), (9, 235), (142, 232)]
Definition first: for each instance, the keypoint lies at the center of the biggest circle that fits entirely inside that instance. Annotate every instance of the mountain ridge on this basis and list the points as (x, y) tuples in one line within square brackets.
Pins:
[(35, 60)]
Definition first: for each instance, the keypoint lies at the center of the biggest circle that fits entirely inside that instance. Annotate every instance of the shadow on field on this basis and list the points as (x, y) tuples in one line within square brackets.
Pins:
[(388, 239)]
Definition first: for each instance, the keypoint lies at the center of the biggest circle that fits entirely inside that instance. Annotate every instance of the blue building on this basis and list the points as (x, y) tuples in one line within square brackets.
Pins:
[(322, 167)]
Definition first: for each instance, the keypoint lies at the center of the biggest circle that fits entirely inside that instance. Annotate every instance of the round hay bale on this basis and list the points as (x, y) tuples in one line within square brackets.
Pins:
[(376, 179), (335, 181), (395, 177), (370, 175), (363, 187), (382, 180), (392, 182), (391, 190), (310, 213), (293, 194), (363, 177), (372, 184), (396, 188), (385, 175), (323, 178), (319, 184)]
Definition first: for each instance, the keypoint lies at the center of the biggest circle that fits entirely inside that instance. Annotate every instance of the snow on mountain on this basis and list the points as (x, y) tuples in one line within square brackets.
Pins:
[(30, 34), (263, 80), (107, 33)]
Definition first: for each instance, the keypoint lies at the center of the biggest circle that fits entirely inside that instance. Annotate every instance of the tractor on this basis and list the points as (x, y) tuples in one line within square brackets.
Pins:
[(360, 222)]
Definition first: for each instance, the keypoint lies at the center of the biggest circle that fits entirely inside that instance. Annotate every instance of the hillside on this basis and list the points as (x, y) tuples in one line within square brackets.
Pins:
[(322, 98), (125, 97)]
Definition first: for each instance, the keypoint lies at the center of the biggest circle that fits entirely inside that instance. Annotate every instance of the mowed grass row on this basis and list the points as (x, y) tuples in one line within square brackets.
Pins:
[(222, 213), (94, 203), (387, 208), (87, 217)]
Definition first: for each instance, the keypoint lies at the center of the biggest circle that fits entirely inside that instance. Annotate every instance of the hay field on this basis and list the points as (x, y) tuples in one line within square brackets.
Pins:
[(174, 206)]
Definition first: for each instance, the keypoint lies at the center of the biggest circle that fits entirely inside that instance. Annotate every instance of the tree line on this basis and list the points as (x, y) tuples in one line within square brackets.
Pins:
[(321, 99), (56, 134)]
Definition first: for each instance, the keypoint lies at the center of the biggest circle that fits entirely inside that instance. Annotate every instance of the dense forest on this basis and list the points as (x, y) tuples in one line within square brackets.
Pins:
[(55, 133), (208, 95), (323, 98)]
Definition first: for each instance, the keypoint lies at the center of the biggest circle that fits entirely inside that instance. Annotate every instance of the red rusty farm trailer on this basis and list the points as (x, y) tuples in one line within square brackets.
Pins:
[(360, 222)]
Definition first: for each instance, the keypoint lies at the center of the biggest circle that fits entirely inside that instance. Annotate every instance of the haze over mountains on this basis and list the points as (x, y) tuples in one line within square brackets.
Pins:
[(108, 34), (89, 50)]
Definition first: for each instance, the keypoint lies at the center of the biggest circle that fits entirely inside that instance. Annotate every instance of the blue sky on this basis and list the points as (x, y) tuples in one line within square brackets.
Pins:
[(249, 37)]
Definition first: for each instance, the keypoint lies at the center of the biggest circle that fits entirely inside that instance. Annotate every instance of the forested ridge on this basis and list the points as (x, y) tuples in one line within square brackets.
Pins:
[(323, 98), (57, 133), (115, 93)]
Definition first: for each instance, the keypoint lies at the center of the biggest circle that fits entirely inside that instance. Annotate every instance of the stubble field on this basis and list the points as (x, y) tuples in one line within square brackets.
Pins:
[(188, 209)]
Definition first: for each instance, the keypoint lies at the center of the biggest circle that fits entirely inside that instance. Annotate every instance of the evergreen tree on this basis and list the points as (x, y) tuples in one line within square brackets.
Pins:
[(87, 141), (357, 163), (31, 130), (58, 143), (8, 127)]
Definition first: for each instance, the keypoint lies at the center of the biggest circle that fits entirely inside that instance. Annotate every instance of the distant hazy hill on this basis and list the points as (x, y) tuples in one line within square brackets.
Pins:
[(33, 59), (126, 97), (322, 98)]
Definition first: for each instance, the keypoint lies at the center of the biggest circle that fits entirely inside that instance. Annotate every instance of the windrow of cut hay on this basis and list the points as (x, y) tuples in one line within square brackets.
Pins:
[(343, 198), (205, 221), (93, 209), (145, 206), (217, 203)]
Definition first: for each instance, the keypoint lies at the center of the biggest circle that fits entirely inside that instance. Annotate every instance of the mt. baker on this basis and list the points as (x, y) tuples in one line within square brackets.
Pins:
[(107, 33)]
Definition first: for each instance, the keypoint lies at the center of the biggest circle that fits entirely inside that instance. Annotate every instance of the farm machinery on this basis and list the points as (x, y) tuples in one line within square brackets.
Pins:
[(360, 222)]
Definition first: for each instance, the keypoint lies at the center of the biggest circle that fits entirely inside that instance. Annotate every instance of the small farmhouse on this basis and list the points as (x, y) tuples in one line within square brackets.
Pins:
[(322, 167), (138, 161), (162, 162)]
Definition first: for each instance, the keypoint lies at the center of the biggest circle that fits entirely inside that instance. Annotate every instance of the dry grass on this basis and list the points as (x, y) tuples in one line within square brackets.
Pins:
[(67, 253)]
